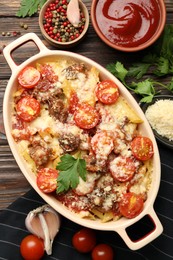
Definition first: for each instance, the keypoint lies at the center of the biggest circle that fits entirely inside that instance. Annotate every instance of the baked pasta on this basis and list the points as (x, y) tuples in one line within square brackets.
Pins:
[(80, 137)]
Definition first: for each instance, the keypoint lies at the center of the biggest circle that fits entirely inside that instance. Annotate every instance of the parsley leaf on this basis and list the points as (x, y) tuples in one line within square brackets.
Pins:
[(170, 85), (29, 7), (118, 70), (144, 88), (138, 70), (162, 66), (70, 169)]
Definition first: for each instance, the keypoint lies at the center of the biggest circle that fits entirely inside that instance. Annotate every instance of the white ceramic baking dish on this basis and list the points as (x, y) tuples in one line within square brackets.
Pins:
[(121, 225)]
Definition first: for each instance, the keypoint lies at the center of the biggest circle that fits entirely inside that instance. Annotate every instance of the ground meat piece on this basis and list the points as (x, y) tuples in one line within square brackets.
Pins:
[(92, 164), (40, 152), (57, 109), (45, 90), (69, 142), (72, 71)]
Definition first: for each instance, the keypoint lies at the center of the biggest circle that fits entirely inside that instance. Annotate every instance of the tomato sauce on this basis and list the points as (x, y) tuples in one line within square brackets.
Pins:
[(128, 23)]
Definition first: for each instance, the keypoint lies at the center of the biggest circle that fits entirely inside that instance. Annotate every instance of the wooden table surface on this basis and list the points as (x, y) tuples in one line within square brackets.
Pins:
[(12, 182)]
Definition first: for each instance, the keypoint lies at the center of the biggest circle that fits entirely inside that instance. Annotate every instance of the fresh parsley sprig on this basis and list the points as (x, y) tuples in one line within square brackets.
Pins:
[(70, 169), (29, 7), (158, 62)]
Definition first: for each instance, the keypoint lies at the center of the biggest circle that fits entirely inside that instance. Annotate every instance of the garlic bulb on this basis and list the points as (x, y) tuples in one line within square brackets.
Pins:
[(44, 222), (73, 12)]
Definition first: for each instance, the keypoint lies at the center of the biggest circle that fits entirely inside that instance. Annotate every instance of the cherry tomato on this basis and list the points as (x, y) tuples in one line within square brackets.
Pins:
[(122, 168), (73, 102), (131, 205), (22, 133), (84, 240), (32, 248), (107, 92), (86, 116), (102, 143), (102, 252), (48, 73), (142, 148), (28, 108), (29, 77), (47, 179)]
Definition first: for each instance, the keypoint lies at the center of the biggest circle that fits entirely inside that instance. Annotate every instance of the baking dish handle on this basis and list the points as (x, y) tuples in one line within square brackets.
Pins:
[(7, 51), (134, 245)]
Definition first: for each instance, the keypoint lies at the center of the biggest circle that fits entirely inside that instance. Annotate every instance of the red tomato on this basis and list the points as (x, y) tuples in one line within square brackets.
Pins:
[(142, 148), (122, 168), (102, 143), (107, 92), (47, 179), (29, 77), (73, 102), (86, 116), (48, 73), (84, 240), (32, 248), (131, 205), (102, 252), (23, 133), (28, 108)]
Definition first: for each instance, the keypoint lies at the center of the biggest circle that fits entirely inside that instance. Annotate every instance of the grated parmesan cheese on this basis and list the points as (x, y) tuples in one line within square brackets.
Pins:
[(159, 116)]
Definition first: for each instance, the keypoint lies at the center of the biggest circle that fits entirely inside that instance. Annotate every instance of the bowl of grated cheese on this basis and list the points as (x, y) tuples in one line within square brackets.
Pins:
[(159, 115)]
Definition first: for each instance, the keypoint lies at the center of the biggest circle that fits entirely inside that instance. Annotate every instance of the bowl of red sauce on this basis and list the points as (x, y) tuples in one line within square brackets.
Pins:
[(128, 25)]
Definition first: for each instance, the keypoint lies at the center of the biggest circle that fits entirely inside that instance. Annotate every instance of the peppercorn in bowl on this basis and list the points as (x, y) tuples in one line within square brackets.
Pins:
[(64, 23)]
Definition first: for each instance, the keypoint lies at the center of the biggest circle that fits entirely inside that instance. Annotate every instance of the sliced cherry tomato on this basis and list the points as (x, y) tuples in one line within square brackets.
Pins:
[(29, 77), (131, 205), (48, 73), (86, 116), (47, 179), (123, 168), (28, 108), (32, 248), (73, 102), (22, 132), (142, 148), (107, 92), (84, 240), (102, 252), (102, 143)]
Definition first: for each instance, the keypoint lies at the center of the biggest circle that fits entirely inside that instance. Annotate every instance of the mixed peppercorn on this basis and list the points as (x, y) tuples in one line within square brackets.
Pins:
[(57, 25)]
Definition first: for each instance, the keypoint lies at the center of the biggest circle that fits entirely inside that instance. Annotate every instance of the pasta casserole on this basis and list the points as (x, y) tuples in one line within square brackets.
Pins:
[(81, 139)]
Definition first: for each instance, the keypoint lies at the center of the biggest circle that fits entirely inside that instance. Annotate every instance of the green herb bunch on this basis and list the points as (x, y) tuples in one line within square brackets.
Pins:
[(158, 62)]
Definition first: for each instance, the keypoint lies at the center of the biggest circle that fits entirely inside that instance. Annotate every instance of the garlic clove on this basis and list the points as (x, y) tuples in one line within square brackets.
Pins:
[(73, 12), (44, 222), (53, 221)]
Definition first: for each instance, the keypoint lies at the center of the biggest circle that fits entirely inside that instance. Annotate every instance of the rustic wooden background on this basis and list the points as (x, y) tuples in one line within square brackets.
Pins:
[(12, 182)]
